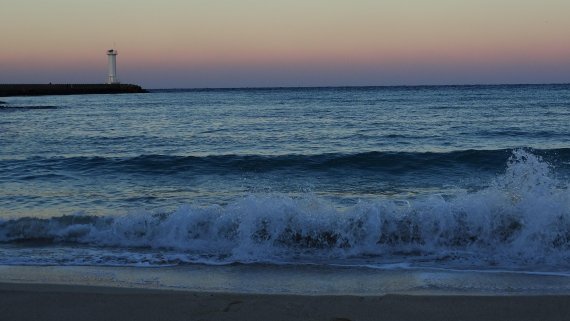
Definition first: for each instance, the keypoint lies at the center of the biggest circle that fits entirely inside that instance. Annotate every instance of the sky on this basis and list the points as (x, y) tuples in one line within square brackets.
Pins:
[(267, 43)]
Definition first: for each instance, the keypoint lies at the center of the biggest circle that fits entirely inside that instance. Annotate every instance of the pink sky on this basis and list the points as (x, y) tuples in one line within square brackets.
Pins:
[(228, 43)]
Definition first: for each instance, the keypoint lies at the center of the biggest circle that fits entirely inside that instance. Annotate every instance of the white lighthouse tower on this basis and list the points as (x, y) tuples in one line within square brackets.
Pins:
[(112, 79)]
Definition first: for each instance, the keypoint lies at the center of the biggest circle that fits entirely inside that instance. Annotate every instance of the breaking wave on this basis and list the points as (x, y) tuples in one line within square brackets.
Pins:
[(521, 219)]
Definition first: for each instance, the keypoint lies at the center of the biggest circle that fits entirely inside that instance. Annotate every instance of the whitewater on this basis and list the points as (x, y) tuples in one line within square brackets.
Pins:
[(521, 221)]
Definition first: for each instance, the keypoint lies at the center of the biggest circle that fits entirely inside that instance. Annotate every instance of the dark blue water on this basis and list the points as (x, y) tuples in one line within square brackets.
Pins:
[(453, 176)]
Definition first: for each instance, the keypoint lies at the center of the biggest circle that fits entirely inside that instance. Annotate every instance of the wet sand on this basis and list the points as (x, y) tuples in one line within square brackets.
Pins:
[(73, 302)]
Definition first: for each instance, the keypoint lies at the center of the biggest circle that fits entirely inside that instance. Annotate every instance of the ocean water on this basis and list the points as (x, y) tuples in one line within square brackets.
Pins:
[(468, 178)]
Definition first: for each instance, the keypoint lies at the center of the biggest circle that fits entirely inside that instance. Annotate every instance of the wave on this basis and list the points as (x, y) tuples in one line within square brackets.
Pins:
[(389, 162), (521, 219)]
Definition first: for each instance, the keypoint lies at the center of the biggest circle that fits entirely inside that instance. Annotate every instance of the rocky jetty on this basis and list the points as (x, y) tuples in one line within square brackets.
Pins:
[(7, 90)]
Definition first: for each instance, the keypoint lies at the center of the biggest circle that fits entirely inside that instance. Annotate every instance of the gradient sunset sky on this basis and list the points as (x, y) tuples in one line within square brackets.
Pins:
[(251, 43)]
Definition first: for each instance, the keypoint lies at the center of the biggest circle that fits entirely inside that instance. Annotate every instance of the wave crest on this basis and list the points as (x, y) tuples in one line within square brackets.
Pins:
[(522, 218), (390, 162)]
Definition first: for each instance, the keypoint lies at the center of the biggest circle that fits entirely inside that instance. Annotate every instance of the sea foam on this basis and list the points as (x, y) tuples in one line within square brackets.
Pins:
[(522, 219)]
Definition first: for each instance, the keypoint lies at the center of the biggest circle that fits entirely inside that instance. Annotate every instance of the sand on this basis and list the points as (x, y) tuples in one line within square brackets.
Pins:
[(72, 302)]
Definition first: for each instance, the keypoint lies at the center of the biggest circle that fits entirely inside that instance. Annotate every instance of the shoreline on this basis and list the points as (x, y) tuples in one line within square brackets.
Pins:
[(293, 279), (73, 302)]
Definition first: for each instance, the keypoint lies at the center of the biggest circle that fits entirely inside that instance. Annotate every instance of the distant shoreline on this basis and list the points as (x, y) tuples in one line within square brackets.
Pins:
[(11, 90)]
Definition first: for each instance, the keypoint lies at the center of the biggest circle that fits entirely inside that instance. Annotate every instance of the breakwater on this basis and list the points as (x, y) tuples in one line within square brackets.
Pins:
[(67, 89)]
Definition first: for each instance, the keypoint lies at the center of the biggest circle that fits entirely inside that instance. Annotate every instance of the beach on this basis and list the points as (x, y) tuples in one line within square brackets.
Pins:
[(276, 293), (66, 302)]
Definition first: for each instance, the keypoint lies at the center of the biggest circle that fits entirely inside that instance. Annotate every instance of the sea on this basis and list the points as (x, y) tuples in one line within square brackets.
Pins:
[(360, 180)]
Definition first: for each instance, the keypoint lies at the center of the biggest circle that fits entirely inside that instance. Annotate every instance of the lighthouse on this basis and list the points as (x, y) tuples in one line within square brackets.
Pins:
[(112, 79)]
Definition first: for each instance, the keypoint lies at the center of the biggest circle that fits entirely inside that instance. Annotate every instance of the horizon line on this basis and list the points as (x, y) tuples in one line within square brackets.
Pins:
[(361, 86), (304, 87)]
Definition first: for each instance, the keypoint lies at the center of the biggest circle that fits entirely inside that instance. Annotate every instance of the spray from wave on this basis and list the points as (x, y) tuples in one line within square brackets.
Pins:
[(522, 219)]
